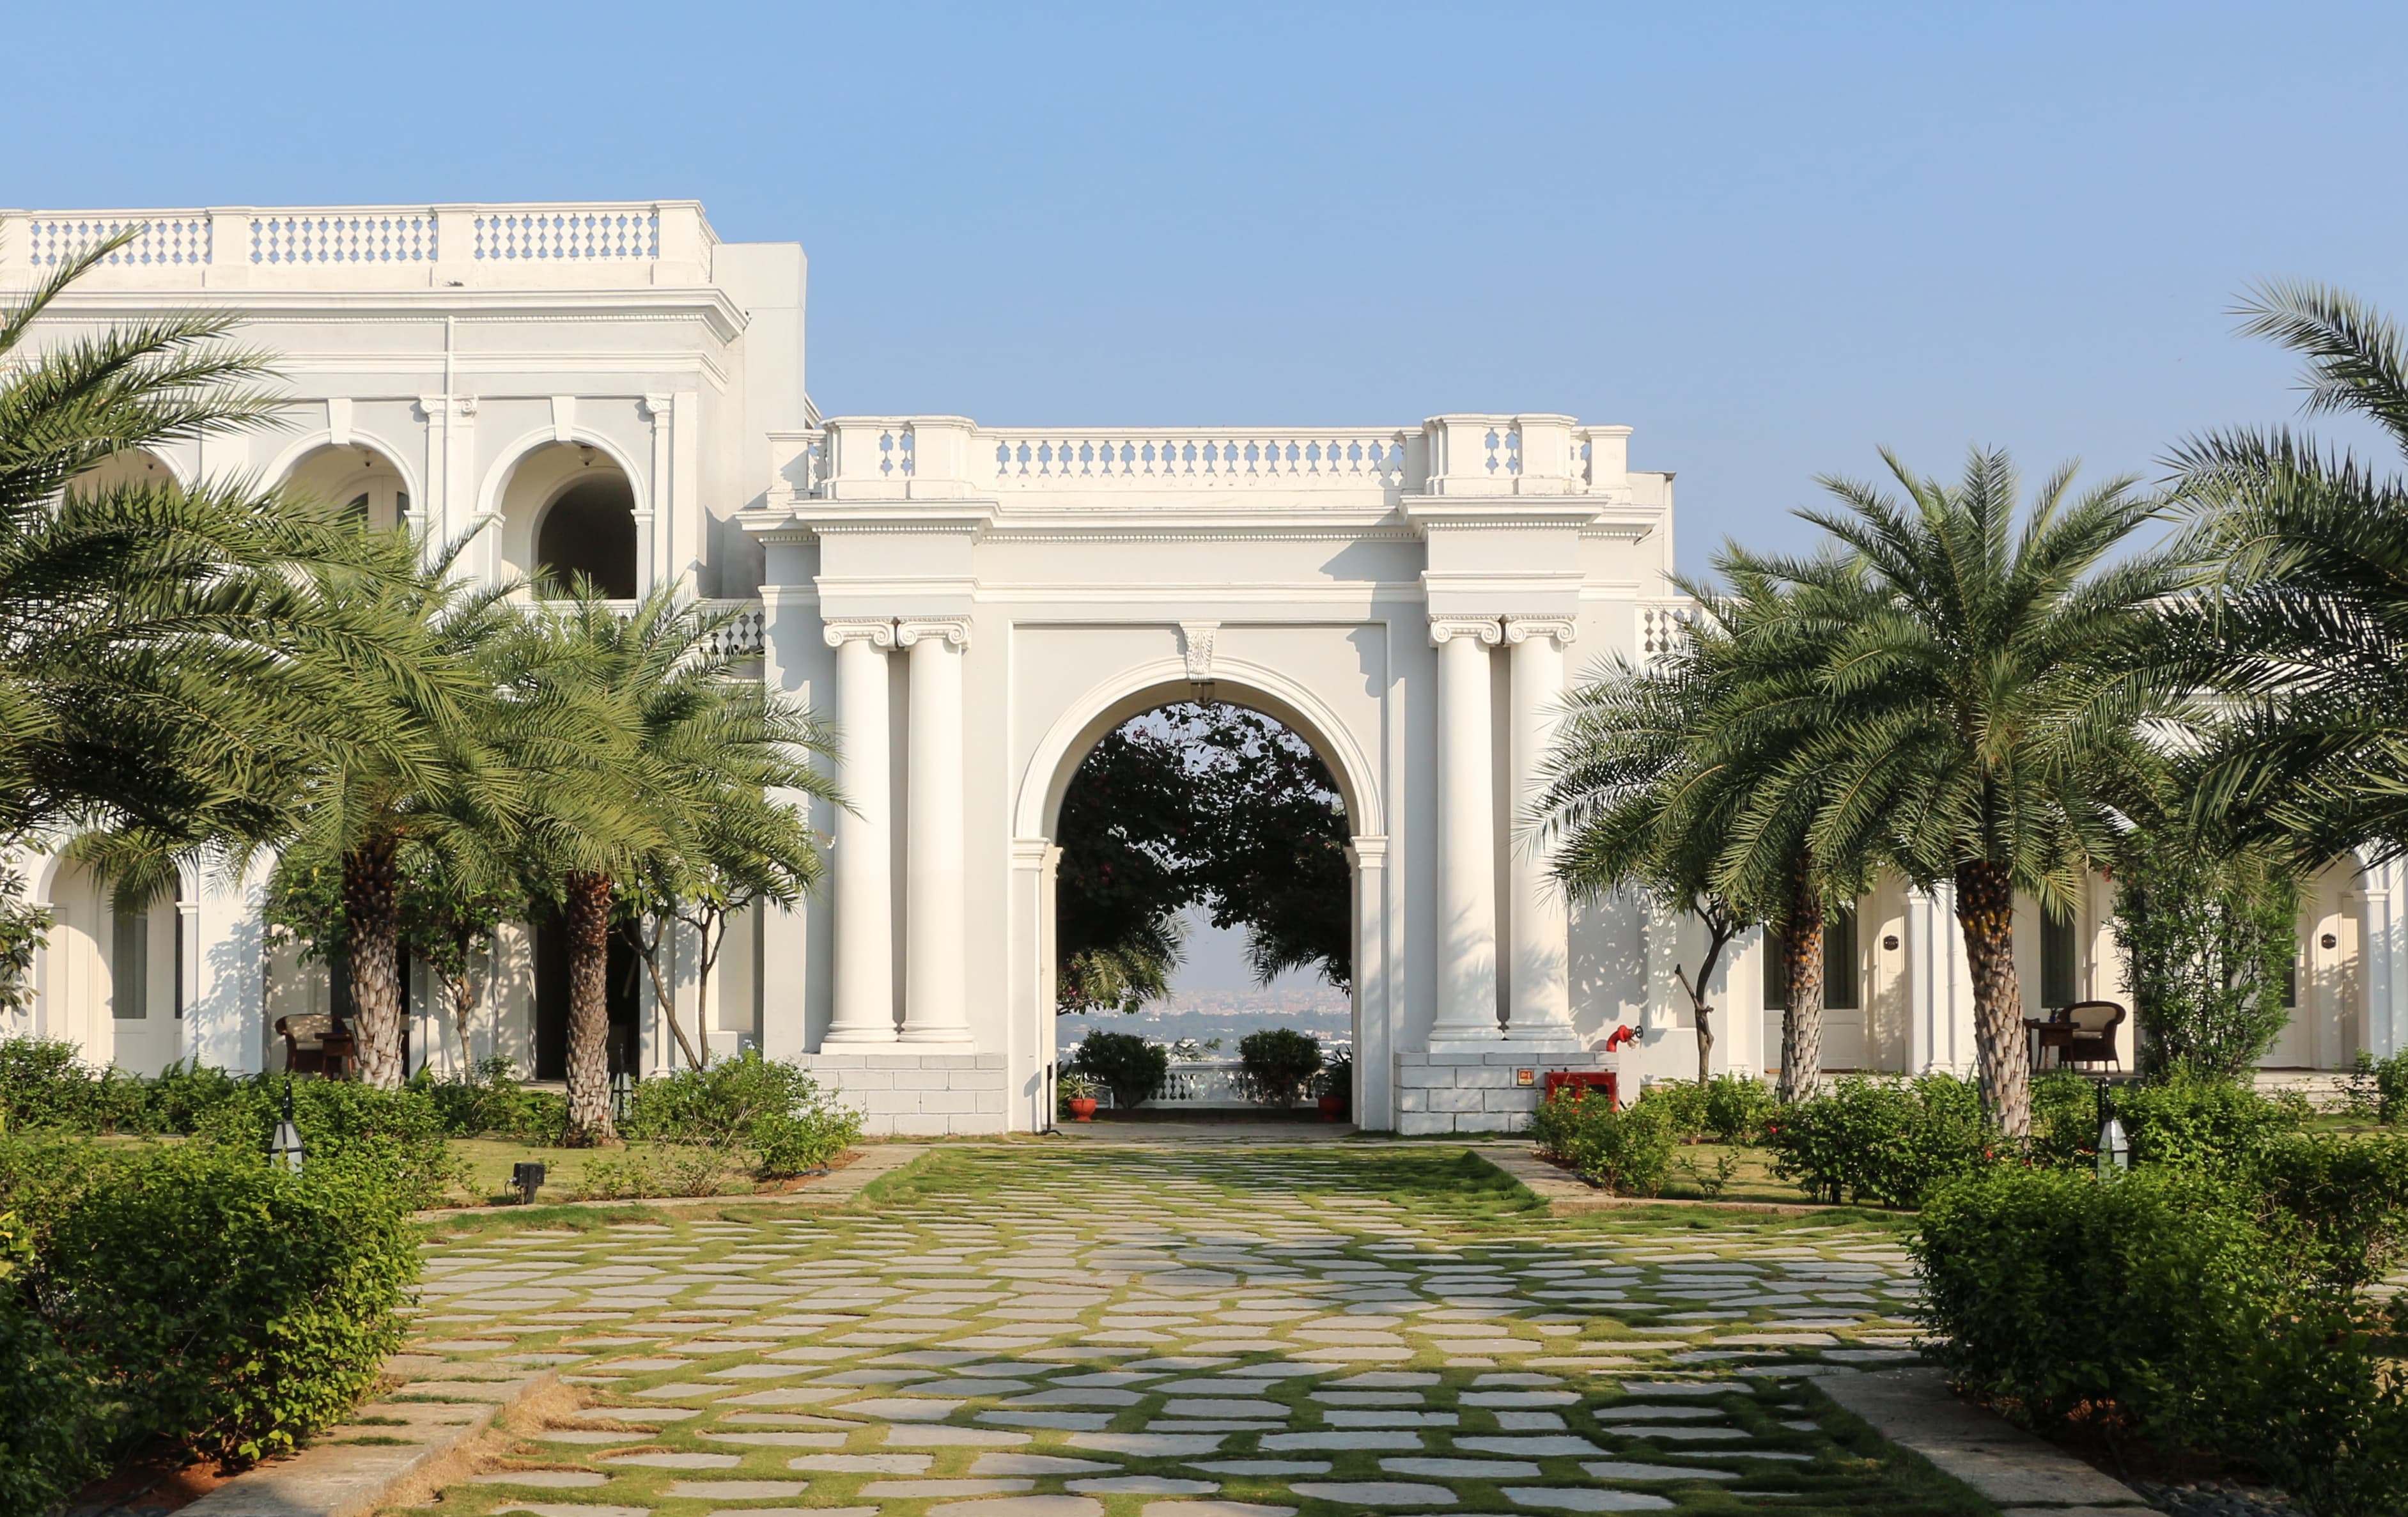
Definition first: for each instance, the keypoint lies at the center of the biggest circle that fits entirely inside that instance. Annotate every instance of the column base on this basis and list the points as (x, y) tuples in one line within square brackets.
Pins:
[(845, 1038), (1545, 1038), (1479, 1090), (940, 1041), (919, 1091), (1466, 1036)]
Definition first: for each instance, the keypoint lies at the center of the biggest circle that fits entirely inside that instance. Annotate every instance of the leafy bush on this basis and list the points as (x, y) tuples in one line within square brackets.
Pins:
[(489, 1099), (1123, 1064), (2208, 936), (1682, 1103), (1337, 1076), (45, 1084), (2378, 1088), (1624, 1152), (194, 1293), (2203, 1123), (1737, 1106), (635, 1175), (1276, 1062), (183, 1094), (397, 1134), (2340, 1205), (799, 1143), (1885, 1140), (2174, 1305), (768, 1106), (2051, 1291)]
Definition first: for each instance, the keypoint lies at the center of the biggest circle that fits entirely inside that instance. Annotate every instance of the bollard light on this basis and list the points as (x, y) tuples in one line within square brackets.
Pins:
[(526, 1179), (2115, 1144), (285, 1147)]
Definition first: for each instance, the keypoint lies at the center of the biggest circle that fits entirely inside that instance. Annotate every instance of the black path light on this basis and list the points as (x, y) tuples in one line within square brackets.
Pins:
[(285, 1147)]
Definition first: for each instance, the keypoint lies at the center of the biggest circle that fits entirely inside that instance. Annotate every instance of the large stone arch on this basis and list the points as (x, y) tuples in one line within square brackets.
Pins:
[(1046, 778), (305, 465)]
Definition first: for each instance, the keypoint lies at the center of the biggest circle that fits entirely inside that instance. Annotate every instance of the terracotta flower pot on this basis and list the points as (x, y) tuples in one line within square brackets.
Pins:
[(1082, 1108), (1333, 1109)]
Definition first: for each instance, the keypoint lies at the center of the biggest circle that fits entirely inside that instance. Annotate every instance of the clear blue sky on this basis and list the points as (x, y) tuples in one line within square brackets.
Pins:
[(1769, 237)]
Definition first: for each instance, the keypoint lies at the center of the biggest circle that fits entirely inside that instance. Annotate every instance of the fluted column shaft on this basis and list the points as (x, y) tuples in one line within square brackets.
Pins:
[(864, 965), (1539, 997), (1467, 852), (934, 976)]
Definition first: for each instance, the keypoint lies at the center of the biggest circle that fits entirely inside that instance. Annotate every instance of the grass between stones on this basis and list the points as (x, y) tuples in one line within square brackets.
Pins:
[(1016, 1330)]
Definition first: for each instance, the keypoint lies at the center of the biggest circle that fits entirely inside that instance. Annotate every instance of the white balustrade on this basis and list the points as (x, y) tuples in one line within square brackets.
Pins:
[(1664, 626), (1209, 459), (739, 639), (168, 237), (564, 232), (394, 237)]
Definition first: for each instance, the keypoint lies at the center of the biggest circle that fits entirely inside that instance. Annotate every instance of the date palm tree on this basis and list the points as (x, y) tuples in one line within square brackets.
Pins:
[(1676, 777), (2305, 635), (1978, 721), (142, 682), (662, 745)]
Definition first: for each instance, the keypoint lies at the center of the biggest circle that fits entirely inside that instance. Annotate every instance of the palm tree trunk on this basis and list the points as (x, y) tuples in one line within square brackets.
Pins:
[(587, 919), (371, 957), (1801, 1024), (1985, 911)]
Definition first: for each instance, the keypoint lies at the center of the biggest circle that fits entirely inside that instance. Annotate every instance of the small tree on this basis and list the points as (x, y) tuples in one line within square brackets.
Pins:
[(1277, 1063), (2209, 938), (1124, 1064)]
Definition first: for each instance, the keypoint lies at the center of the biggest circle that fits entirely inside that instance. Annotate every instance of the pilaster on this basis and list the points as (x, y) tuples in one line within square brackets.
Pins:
[(935, 883), (1467, 895)]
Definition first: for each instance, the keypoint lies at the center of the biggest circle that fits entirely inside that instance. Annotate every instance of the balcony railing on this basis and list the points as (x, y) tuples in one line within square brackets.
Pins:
[(741, 638), (320, 246)]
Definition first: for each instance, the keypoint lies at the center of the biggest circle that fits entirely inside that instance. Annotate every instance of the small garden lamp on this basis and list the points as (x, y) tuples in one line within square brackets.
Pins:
[(285, 1147), (2115, 1145)]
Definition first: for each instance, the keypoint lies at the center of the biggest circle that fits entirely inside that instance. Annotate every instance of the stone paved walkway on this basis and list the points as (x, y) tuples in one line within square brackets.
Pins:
[(1100, 1331)]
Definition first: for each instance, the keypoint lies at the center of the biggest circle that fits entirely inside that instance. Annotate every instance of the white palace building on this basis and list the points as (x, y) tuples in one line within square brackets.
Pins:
[(610, 388)]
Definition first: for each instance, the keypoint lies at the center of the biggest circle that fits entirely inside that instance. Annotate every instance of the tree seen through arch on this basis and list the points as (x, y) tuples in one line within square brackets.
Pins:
[(1202, 805)]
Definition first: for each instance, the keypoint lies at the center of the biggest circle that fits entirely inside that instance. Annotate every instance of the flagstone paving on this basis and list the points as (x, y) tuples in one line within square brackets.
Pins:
[(1026, 1331)]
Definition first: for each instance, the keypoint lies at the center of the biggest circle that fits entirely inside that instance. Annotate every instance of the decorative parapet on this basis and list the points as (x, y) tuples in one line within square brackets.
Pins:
[(583, 244), (1664, 626), (950, 457)]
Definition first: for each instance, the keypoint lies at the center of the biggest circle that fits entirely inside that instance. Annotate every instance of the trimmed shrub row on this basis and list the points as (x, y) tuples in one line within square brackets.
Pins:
[(192, 1294)]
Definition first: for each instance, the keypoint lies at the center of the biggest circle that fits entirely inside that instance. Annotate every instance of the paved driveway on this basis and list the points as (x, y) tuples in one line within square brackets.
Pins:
[(1056, 1330)]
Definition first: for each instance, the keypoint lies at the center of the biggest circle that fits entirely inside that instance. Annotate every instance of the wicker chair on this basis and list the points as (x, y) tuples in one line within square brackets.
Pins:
[(2090, 1027), (315, 1045)]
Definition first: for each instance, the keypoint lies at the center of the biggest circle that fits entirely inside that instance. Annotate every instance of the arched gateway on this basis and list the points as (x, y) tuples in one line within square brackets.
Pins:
[(975, 608)]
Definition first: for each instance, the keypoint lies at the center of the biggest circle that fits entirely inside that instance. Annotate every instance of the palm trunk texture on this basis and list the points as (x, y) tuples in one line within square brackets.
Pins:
[(587, 919), (1801, 1024), (372, 935), (1985, 911)]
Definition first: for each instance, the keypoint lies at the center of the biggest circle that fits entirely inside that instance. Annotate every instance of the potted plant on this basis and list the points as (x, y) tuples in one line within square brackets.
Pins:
[(1123, 1064), (1337, 1085), (1079, 1094), (1277, 1063)]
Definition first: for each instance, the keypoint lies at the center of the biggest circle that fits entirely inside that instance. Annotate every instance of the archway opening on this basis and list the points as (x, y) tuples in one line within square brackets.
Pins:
[(128, 467), (363, 481), (1203, 894), (567, 510), (591, 531)]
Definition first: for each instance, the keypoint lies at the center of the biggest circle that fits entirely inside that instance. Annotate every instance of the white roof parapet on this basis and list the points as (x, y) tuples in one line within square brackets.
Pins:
[(574, 244), (952, 458)]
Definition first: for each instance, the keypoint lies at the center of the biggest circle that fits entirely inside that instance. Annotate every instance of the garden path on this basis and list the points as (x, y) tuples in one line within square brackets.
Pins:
[(1027, 1330)]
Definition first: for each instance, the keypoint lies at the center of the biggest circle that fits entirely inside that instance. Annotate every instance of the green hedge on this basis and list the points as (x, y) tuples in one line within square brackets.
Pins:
[(398, 1134), (769, 1107), (1624, 1151), (2178, 1306), (1885, 1140), (191, 1292)]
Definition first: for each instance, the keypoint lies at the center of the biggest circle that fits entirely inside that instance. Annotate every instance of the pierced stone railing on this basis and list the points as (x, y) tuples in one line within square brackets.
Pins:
[(1230, 459), (741, 638), (1664, 626), (239, 246)]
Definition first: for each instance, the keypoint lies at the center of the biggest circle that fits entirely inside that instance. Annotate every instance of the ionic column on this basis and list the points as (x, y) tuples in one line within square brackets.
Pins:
[(863, 951), (1539, 987), (937, 919), (1467, 834)]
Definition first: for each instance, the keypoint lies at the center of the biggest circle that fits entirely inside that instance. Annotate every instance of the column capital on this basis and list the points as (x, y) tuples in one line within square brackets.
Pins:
[(1445, 629), (658, 409), (1521, 629), (1369, 850), (953, 629), (876, 634)]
